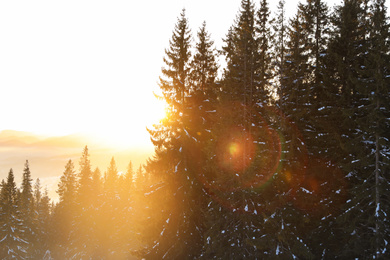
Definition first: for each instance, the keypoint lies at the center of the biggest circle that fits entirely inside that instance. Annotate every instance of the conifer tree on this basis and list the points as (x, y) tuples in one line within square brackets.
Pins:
[(27, 209), (316, 30), (109, 212), (204, 67), (111, 178), (65, 211), (85, 179), (12, 244), (279, 47), (83, 237), (377, 124), (180, 226), (368, 141), (264, 38), (42, 219), (241, 52), (345, 56)]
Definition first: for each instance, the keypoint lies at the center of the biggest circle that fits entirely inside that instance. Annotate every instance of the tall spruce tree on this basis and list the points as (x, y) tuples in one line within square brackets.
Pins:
[(377, 123), (368, 139), (243, 150), (179, 233)]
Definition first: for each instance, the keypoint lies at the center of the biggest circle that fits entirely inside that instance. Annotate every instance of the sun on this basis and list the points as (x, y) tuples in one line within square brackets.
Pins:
[(128, 127)]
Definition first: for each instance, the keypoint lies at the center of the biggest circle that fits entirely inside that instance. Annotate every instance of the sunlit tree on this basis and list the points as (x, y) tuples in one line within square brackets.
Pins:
[(82, 236), (65, 211), (27, 208), (179, 222), (42, 220)]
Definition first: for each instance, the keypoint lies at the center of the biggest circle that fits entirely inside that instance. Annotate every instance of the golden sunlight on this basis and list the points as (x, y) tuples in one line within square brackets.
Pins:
[(131, 131)]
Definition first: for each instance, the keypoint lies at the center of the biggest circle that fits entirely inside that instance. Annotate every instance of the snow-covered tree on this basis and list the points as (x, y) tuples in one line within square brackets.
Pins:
[(12, 244)]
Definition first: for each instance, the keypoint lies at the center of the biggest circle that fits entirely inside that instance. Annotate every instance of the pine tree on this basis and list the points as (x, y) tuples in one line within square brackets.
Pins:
[(125, 233), (179, 224), (279, 47), (27, 209), (110, 210), (204, 67), (82, 237), (316, 30), (111, 178), (12, 245), (42, 219), (240, 81), (368, 139), (65, 211), (264, 38), (85, 179), (346, 51), (377, 124)]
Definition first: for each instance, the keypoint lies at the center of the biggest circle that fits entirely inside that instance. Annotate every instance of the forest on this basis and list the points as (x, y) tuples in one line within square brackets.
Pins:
[(274, 147)]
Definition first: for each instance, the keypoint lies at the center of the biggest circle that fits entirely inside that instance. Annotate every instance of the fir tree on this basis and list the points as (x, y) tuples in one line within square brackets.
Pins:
[(85, 179), (12, 244), (241, 52), (111, 178), (264, 38), (204, 67), (27, 209), (180, 226), (279, 47), (42, 220), (83, 237), (65, 211), (368, 139)]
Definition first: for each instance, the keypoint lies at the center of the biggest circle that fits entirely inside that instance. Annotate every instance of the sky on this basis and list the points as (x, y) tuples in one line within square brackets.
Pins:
[(81, 66)]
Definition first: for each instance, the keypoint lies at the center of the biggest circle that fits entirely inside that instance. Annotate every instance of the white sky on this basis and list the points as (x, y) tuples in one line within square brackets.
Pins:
[(92, 66)]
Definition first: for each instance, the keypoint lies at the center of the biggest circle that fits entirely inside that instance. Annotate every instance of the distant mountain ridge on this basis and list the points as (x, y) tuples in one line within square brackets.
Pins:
[(47, 156), (12, 137)]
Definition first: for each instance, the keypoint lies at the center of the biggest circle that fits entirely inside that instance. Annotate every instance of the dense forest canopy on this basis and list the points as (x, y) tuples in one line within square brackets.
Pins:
[(281, 154)]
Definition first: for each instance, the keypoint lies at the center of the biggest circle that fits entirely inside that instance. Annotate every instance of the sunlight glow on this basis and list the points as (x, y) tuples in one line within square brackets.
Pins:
[(126, 132), (233, 149)]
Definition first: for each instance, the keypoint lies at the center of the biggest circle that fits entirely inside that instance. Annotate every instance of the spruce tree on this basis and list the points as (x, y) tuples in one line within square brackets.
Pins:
[(240, 80), (27, 209), (369, 137), (377, 123), (346, 51), (279, 47), (42, 219), (111, 178), (179, 226), (85, 179), (109, 212), (82, 237), (12, 244), (264, 37), (204, 67), (65, 210)]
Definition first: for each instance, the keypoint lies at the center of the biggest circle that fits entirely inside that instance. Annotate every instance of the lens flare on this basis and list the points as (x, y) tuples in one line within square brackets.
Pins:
[(233, 149), (250, 166)]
